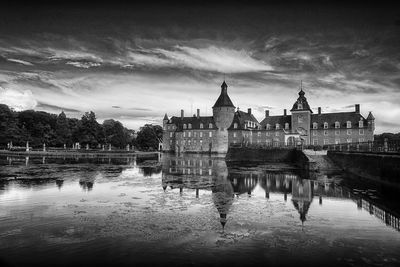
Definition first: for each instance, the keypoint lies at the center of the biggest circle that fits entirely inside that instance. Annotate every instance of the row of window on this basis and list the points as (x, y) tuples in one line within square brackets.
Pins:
[(277, 126), (258, 134), (337, 132), (189, 134), (189, 126), (337, 124), (189, 171)]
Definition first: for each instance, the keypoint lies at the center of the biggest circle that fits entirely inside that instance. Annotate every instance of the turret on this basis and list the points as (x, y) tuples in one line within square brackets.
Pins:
[(223, 109), (371, 121), (165, 120)]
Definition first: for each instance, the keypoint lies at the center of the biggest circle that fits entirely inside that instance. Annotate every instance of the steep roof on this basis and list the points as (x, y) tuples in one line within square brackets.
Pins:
[(341, 117), (370, 116), (165, 117), (195, 121), (273, 120), (223, 99), (301, 100)]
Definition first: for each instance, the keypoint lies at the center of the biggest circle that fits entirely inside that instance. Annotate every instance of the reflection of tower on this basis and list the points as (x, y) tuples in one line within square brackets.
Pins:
[(59, 183), (222, 190), (302, 197), (86, 183), (223, 113)]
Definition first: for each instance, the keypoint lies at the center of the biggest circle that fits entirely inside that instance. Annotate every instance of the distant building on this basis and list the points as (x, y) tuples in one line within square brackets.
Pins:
[(213, 134)]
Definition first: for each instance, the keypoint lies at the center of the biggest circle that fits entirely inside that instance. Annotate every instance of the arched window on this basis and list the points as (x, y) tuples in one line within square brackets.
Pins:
[(184, 126), (277, 126), (286, 126), (348, 124), (201, 126), (190, 126), (210, 125), (337, 125), (315, 125), (299, 106), (235, 125), (325, 125)]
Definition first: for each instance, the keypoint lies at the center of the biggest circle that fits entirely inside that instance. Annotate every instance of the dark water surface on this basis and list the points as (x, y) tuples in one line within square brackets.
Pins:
[(191, 210)]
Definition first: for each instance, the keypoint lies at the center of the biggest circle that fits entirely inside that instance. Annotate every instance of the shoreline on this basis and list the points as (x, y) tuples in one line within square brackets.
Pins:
[(92, 154)]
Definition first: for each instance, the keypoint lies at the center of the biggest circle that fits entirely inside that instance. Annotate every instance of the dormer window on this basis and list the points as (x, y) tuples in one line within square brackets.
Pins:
[(315, 125), (348, 124), (190, 126), (287, 126), (277, 126), (201, 125), (268, 126), (337, 125), (361, 123), (210, 125), (184, 126), (325, 125), (299, 106), (235, 125)]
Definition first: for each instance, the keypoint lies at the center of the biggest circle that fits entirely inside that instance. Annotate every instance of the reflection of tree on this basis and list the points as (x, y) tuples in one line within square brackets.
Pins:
[(150, 170), (87, 181), (59, 183)]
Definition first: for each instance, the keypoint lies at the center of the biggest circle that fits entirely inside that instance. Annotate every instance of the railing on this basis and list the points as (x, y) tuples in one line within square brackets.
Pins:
[(370, 146)]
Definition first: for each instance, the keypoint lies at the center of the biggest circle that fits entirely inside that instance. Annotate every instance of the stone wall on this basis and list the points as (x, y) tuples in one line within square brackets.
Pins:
[(261, 155), (379, 166)]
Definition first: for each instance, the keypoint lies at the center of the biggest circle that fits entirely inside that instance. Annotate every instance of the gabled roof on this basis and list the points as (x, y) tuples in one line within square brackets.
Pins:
[(223, 99), (341, 117), (195, 121), (240, 118)]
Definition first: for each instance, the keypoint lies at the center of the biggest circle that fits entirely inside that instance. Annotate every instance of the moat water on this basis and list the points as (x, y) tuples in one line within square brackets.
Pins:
[(191, 210)]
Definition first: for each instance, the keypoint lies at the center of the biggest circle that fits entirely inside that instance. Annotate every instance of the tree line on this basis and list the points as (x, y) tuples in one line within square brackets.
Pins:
[(39, 127)]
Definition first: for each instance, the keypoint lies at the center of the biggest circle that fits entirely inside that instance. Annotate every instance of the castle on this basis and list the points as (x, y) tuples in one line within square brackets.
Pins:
[(227, 126)]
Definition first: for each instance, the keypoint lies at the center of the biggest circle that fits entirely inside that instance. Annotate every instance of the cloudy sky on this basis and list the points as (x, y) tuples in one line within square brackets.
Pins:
[(134, 63)]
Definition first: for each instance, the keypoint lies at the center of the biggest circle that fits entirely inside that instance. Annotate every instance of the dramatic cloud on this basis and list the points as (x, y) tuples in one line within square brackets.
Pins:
[(134, 65)]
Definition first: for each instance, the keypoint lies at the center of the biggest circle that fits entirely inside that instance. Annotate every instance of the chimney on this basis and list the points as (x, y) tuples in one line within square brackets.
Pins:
[(249, 111), (182, 113), (198, 113), (266, 113), (357, 108), (319, 110), (284, 112)]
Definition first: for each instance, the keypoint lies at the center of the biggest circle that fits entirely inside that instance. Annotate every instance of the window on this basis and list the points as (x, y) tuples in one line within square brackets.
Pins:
[(201, 134), (361, 123), (170, 134), (315, 125), (184, 134), (267, 134), (287, 126), (325, 125), (234, 135), (337, 125), (299, 106), (210, 125), (360, 140), (361, 131), (184, 126), (337, 132), (194, 134), (201, 125), (326, 141), (277, 126), (348, 124), (325, 132), (170, 141), (349, 140), (277, 134), (190, 126), (210, 134), (268, 126), (189, 134), (314, 133), (259, 134), (337, 141), (315, 142), (235, 125), (349, 132)]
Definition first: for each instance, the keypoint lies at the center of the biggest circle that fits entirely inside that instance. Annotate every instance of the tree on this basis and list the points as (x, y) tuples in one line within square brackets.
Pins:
[(63, 132), (89, 129), (149, 137), (115, 133)]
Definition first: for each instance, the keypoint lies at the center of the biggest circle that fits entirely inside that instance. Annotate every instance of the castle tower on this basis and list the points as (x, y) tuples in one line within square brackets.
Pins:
[(301, 117), (371, 121), (223, 113)]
